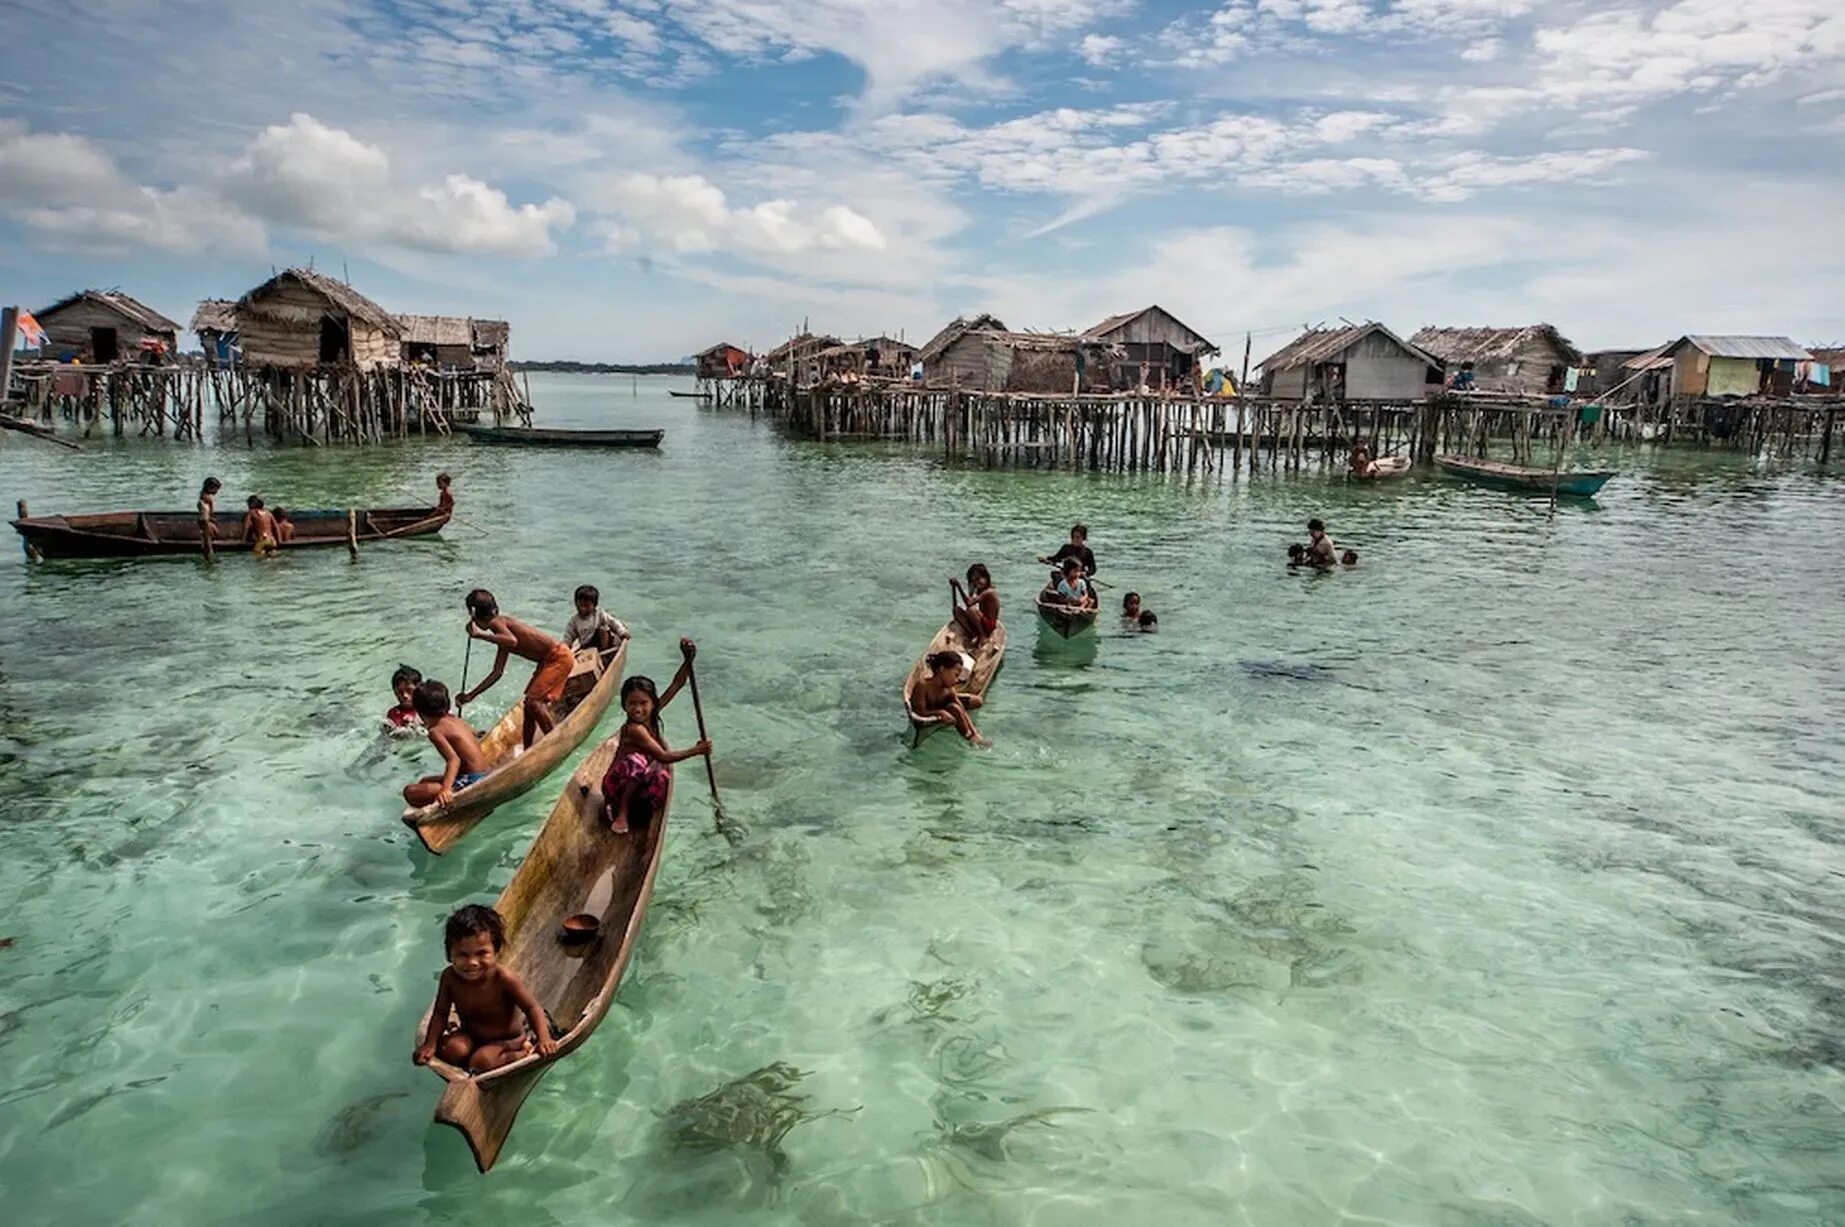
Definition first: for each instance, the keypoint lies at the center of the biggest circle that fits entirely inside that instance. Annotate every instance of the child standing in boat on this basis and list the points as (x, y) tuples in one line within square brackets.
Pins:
[(463, 761), (513, 637), (488, 1000), (642, 761), (939, 694), (445, 496)]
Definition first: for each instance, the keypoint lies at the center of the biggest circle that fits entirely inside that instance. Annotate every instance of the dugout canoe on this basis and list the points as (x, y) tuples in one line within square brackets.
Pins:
[(548, 437), (687, 395), (1582, 483), (574, 865), (587, 695), (987, 659), (1067, 620), (147, 534)]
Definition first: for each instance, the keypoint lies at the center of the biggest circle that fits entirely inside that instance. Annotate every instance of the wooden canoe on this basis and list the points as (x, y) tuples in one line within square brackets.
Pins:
[(987, 659), (686, 395), (1389, 466), (1067, 620), (587, 696), (565, 438), (140, 534), (574, 865), (1581, 483)]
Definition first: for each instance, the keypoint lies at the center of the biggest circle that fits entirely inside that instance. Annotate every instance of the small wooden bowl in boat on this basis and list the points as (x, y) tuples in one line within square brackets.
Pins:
[(580, 928)]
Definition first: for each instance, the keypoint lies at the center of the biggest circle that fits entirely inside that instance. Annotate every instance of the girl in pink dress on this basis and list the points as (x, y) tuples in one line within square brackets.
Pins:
[(642, 765)]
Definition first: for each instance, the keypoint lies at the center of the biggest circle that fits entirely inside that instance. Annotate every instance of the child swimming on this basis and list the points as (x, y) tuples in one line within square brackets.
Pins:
[(284, 527), (641, 758), (939, 694), (259, 527), (1130, 606), (487, 999), (403, 717), (464, 762)]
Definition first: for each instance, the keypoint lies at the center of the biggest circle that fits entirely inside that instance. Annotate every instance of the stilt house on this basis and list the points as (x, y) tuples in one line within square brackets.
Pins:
[(797, 358), (1156, 341), (300, 319), (876, 357), (215, 325), (103, 326), (454, 342), (1532, 361), (1734, 366), (721, 361), (992, 360), (1357, 362)]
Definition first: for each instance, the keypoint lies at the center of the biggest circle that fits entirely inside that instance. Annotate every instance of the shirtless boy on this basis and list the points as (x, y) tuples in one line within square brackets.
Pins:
[(1321, 552), (487, 998), (513, 637), (463, 761), (445, 495), (937, 695), (259, 527)]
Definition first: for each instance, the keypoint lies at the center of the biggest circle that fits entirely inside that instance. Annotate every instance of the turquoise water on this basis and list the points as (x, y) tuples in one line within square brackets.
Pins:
[(1495, 881)]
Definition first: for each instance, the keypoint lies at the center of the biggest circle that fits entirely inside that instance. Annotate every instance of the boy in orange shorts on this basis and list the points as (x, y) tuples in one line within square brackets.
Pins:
[(511, 636)]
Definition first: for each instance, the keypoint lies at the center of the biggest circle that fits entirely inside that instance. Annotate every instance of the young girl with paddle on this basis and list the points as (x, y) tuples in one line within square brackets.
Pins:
[(642, 761), (976, 607)]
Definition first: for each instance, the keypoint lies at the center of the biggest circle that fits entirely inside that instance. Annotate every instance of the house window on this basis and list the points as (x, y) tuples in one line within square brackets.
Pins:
[(104, 347), (335, 344)]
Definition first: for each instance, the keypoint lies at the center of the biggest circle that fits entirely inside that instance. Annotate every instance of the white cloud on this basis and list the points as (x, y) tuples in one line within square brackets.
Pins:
[(689, 215), (1099, 49)]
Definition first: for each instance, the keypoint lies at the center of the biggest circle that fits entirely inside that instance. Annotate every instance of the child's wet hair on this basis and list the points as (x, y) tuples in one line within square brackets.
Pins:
[(1071, 566), (211, 486), (405, 675), (938, 660), (1296, 550), (979, 572), (254, 503), (1129, 601), (1316, 526), (1349, 558), (281, 513), (430, 699), (442, 479), (471, 921), (482, 605), (587, 592), (1149, 620), (643, 683), (1080, 530)]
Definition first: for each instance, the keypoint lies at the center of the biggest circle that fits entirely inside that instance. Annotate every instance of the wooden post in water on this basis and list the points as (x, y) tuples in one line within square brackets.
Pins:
[(9, 329)]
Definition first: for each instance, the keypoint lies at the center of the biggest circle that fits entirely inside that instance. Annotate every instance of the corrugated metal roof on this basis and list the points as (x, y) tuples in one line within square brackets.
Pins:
[(1747, 347)]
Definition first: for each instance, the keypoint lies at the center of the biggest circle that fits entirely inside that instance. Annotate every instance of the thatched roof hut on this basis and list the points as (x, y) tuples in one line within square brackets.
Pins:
[(882, 356), (215, 324), (990, 360), (932, 348), (300, 319), (1155, 338), (105, 326), (797, 357), (1357, 362), (455, 342), (1534, 360)]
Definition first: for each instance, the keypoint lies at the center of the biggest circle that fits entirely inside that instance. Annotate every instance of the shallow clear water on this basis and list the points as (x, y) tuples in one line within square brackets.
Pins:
[(1496, 881)]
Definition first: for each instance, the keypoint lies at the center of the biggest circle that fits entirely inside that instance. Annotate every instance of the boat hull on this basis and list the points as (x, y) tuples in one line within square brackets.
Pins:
[(153, 534), (1061, 618), (987, 659), (1388, 467), (512, 777), (575, 864), (1526, 480), (541, 437)]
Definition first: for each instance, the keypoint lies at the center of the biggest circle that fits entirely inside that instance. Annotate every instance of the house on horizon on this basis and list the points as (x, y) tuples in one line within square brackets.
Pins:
[(1357, 362), (215, 325), (1531, 361), (300, 319), (1733, 365), (103, 326), (1154, 338), (721, 361)]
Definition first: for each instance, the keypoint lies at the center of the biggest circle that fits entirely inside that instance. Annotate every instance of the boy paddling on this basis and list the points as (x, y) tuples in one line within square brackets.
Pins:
[(513, 637)]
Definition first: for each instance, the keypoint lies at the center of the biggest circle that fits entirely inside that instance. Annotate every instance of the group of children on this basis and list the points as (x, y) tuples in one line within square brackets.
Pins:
[(1319, 551), (267, 530)]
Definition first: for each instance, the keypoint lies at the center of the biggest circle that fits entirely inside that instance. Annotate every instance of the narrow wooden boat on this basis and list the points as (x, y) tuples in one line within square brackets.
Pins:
[(1518, 477), (1389, 466), (564, 438), (987, 660), (574, 865), (141, 534), (587, 696), (1067, 620), (686, 395)]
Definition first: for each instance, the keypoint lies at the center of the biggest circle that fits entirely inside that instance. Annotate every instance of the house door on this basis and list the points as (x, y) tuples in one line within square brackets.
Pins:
[(103, 345), (335, 343)]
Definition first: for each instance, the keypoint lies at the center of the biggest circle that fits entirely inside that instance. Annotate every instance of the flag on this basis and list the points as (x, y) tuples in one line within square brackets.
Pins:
[(31, 336)]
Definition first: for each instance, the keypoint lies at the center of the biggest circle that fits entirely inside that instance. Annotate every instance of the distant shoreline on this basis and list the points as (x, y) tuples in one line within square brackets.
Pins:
[(606, 368)]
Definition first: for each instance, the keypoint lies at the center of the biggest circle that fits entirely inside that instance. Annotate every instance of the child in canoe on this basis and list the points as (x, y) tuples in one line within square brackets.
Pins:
[(976, 607), (1072, 589), (403, 717), (487, 999), (939, 694), (463, 761), (594, 626), (445, 494), (641, 767), (513, 637)]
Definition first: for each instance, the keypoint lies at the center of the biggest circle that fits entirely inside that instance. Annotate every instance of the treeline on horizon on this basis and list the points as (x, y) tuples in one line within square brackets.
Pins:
[(607, 368)]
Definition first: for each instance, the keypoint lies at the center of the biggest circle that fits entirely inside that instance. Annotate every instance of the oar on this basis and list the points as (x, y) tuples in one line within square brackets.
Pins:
[(466, 656), (698, 709)]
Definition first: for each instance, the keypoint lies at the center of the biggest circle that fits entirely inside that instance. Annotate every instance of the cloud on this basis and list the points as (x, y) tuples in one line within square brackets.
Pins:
[(327, 182), (689, 215), (1099, 50)]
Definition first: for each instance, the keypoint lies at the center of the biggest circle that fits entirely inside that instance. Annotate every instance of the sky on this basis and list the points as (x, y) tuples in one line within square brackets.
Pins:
[(632, 180)]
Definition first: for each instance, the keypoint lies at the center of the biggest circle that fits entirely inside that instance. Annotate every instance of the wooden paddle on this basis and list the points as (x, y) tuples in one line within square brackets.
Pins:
[(718, 816), (466, 656)]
